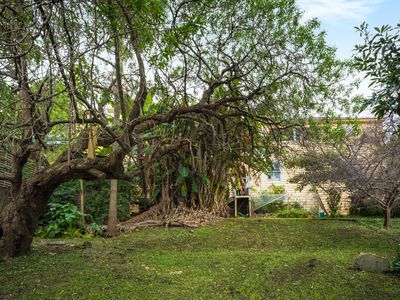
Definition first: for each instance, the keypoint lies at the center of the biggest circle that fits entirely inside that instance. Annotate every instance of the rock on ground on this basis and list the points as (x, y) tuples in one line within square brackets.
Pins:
[(372, 263)]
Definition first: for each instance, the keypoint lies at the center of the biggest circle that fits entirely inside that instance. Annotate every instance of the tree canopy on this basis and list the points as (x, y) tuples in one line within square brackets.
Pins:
[(205, 77), (379, 57)]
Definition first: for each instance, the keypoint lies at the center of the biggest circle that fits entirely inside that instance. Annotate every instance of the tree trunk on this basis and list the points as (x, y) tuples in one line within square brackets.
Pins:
[(118, 104), (19, 219), (112, 210), (386, 223)]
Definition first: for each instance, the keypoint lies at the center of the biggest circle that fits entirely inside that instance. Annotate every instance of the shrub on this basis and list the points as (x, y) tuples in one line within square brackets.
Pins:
[(97, 195), (276, 205), (366, 207), (279, 206), (274, 190), (333, 201), (273, 207), (60, 220), (314, 211), (296, 205), (94, 229), (396, 262), (293, 213)]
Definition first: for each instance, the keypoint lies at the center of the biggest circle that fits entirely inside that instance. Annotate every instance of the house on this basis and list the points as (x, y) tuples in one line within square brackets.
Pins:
[(259, 185), (6, 161), (5, 167)]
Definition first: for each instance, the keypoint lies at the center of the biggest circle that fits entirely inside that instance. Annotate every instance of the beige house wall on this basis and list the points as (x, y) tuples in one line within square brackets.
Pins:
[(308, 199), (5, 167)]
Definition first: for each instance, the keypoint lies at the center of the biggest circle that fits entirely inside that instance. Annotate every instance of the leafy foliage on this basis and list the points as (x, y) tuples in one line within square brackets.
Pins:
[(200, 81), (333, 201), (277, 207), (367, 207), (274, 189), (97, 194), (396, 262), (379, 58), (60, 220), (273, 207), (293, 213)]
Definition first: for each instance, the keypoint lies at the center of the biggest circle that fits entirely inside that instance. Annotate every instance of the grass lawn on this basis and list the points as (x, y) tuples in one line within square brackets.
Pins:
[(233, 259)]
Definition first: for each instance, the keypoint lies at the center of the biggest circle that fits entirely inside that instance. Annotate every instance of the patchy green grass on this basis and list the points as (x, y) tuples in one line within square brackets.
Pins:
[(233, 259), (377, 225)]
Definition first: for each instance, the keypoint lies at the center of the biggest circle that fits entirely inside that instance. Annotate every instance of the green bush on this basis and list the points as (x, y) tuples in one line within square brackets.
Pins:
[(293, 213), (396, 262), (61, 220), (63, 217), (368, 208), (97, 195), (279, 206), (273, 207), (274, 190), (333, 200), (94, 229), (276, 206), (296, 205)]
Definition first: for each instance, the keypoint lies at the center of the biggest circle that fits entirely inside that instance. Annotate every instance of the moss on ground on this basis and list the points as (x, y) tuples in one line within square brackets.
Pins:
[(233, 259)]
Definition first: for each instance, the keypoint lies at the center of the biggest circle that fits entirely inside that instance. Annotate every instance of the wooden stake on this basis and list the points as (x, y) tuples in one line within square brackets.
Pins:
[(249, 207), (236, 213), (112, 210), (82, 201)]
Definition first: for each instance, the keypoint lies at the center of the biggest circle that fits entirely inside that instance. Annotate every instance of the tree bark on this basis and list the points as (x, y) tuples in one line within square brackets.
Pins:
[(112, 210), (119, 104), (386, 223), (19, 219)]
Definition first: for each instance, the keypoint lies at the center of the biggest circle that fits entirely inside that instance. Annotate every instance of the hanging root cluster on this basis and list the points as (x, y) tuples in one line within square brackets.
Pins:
[(191, 186)]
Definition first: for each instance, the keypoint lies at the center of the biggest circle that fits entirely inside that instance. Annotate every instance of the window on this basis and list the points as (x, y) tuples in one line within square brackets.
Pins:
[(349, 129), (275, 174), (294, 135)]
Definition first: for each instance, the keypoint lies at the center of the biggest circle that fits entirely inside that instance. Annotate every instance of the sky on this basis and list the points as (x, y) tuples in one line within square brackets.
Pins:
[(339, 17)]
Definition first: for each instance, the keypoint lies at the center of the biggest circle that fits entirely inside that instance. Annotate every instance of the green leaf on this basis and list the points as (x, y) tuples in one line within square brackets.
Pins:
[(204, 179), (184, 190), (148, 104), (183, 171), (195, 187)]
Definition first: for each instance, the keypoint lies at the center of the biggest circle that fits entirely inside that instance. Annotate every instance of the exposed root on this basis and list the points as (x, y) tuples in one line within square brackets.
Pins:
[(179, 217), (153, 213)]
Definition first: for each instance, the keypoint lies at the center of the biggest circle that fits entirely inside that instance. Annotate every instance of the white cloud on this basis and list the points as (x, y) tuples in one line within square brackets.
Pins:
[(332, 10)]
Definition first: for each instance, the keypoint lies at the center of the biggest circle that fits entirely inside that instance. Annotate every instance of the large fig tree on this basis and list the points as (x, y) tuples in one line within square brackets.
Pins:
[(254, 62)]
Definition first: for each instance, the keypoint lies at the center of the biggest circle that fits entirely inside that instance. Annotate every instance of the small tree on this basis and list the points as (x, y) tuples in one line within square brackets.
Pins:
[(367, 164), (333, 200)]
